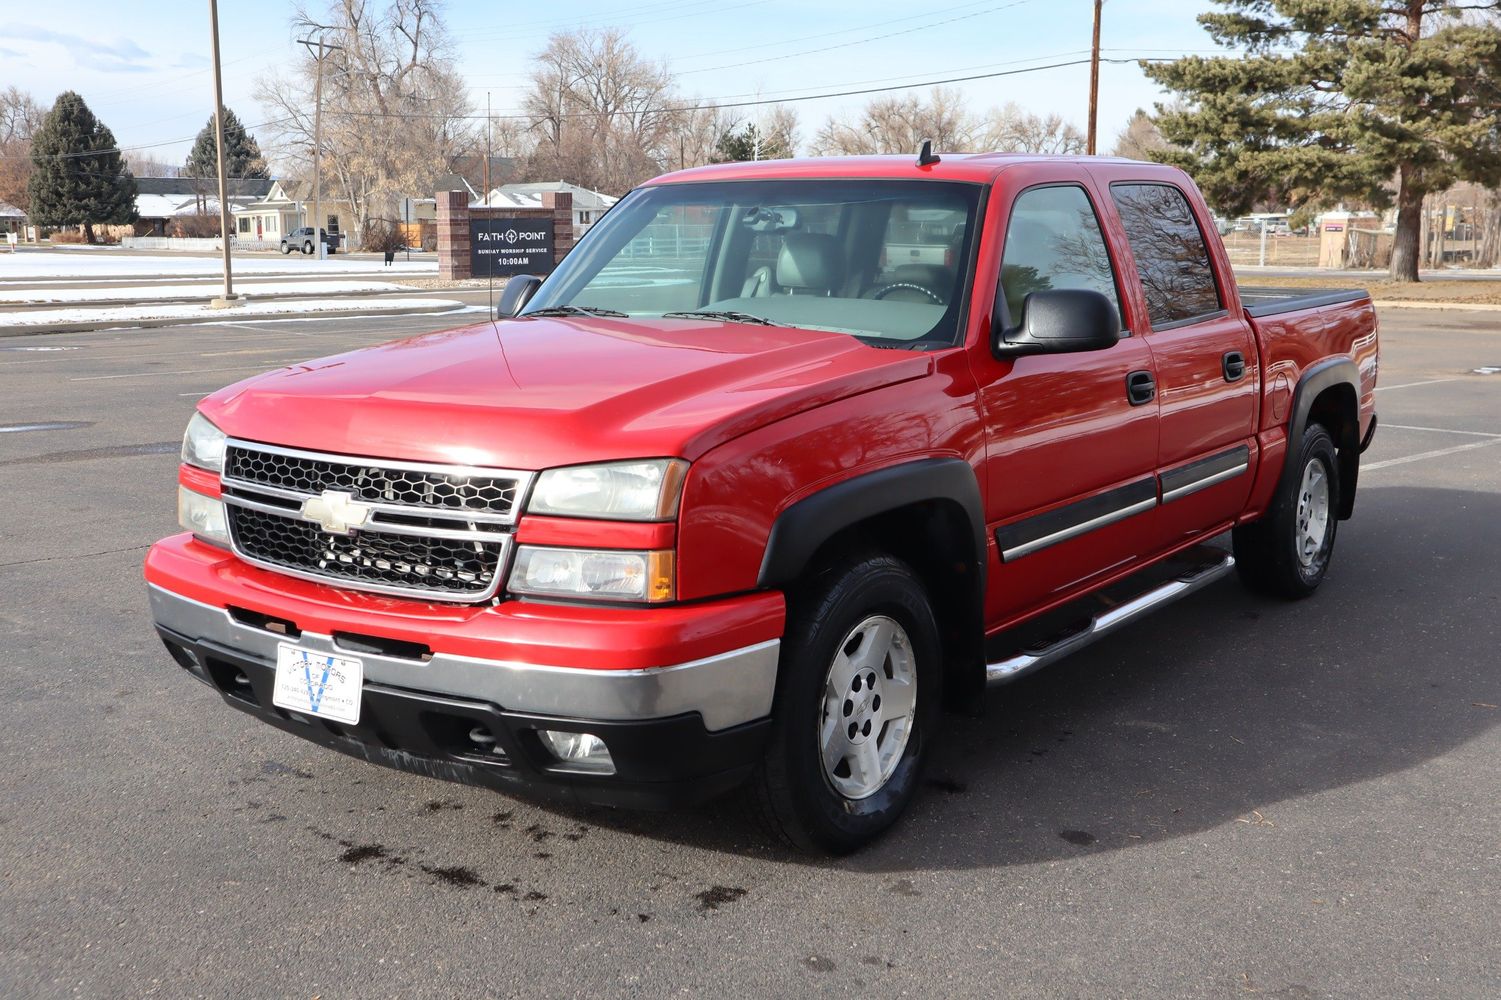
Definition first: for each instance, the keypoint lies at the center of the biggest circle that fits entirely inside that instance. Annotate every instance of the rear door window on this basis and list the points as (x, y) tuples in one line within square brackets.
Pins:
[(1053, 241), (1171, 256)]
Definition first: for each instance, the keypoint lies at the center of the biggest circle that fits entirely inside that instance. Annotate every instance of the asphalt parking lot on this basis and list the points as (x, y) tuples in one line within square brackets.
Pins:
[(1235, 798)]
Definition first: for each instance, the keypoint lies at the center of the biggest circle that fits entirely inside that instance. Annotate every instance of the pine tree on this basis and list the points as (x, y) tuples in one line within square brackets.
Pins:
[(77, 175), (749, 144), (242, 154), (1340, 100)]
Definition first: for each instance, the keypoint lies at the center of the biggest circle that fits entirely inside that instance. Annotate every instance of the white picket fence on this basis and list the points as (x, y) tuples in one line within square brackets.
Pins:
[(195, 243)]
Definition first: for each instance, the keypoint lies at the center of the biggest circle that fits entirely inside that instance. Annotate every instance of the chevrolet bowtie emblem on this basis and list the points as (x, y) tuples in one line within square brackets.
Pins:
[(335, 512)]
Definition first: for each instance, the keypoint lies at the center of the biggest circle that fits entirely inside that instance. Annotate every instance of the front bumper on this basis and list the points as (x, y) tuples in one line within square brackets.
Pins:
[(678, 733)]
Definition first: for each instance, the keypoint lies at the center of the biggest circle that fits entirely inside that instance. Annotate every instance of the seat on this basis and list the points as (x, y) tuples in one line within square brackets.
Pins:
[(809, 264)]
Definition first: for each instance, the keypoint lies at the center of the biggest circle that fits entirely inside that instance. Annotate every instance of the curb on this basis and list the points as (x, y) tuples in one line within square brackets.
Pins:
[(227, 316)]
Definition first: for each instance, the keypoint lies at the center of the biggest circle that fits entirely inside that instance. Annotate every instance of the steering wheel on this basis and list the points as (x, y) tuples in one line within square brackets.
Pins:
[(885, 290)]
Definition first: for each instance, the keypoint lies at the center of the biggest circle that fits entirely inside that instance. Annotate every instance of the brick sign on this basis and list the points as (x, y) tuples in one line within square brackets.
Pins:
[(504, 246)]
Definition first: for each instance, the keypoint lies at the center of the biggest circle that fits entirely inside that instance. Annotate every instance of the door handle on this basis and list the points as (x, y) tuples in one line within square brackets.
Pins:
[(1140, 388), (1233, 364)]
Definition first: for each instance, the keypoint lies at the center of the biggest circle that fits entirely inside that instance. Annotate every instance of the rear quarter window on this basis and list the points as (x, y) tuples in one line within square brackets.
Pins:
[(1172, 259)]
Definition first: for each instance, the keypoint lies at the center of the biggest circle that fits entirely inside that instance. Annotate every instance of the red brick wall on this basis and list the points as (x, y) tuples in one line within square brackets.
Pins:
[(455, 213)]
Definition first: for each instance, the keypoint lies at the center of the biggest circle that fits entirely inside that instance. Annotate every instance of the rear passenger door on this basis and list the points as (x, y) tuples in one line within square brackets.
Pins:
[(1207, 374), (1070, 458)]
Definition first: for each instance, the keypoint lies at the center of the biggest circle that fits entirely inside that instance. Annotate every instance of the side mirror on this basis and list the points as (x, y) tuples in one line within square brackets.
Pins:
[(1061, 321), (517, 293)]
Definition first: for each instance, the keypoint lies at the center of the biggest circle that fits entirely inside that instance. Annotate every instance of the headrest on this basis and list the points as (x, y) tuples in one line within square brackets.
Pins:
[(809, 260)]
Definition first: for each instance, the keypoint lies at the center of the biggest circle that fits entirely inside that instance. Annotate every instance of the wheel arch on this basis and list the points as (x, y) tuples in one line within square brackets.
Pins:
[(926, 512), (1327, 395)]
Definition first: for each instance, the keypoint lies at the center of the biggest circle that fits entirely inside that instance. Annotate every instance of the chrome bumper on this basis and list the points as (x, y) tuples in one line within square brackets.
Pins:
[(725, 690)]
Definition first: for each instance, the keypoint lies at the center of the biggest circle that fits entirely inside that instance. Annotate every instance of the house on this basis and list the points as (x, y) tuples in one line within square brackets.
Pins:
[(418, 217), (286, 206), (163, 201), (588, 205), (12, 219)]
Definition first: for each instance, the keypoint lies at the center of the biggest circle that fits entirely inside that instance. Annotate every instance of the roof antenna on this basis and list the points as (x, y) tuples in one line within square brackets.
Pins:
[(927, 157)]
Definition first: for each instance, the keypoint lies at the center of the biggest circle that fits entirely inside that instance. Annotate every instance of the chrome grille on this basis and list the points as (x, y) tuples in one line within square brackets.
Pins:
[(431, 532), (408, 485)]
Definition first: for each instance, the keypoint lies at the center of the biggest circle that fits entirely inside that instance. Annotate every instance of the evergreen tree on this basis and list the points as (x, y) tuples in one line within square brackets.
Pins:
[(77, 175), (749, 144), (1339, 100), (242, 154)]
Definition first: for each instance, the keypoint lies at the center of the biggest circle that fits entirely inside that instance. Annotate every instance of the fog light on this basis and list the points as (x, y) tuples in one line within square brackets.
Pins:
[(584, 751)]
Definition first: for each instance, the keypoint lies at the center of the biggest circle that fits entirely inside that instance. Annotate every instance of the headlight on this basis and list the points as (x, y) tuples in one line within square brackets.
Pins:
[(624, 491), (597, 574), (203, 445), (203, 516)]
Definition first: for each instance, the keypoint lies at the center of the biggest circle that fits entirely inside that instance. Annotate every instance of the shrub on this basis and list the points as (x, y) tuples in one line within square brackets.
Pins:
[(382, 236), (199, 226)]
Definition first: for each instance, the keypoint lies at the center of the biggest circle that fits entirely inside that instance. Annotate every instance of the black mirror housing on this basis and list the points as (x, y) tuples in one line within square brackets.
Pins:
[(517, 293), (1061, 321)]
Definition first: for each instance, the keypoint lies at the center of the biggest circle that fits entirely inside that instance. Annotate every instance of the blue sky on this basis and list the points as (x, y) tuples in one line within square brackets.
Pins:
[(143, 64)]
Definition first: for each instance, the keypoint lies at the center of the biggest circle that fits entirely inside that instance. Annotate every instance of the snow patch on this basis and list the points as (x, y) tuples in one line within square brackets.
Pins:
[(190, 311)]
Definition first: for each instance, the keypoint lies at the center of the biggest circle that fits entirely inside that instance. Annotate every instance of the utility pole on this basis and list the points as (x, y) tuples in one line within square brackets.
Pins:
[(228, 298), (323, 48), (487, 149), (1094, 80)]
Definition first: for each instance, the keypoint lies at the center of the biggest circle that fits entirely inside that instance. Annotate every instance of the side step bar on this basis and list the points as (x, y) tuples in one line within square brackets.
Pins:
[(1023, 663)]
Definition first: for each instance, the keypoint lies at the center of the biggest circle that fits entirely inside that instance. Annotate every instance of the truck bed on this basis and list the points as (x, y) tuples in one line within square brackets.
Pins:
[(1263, 302)]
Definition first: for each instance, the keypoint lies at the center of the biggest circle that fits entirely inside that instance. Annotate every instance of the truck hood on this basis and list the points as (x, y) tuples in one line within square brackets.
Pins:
[(534, 393)]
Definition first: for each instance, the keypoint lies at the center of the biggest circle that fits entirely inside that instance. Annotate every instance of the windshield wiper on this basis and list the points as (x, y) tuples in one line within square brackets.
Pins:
[(577, 311), (728, 315)]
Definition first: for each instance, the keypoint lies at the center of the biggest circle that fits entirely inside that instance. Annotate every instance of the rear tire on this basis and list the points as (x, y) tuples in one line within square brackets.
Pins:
[(858, 699), (307, 248), (1286, 552)]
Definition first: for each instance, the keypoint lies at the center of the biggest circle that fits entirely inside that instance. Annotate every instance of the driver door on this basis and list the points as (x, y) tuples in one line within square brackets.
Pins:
[(1071, 439)]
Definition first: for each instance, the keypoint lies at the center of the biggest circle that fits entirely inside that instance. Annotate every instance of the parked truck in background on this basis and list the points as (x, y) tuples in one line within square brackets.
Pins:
[(749, 519)]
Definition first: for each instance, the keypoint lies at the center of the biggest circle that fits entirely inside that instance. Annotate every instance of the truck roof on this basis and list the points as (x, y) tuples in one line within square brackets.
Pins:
[(973, 167)]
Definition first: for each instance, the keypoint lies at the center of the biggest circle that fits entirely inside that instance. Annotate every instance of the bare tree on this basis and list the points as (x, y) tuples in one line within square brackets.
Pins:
[(899, 125), (146, 165), (20, 116), (604, 115), (1140, 138), (1012, 129), (394, 109)]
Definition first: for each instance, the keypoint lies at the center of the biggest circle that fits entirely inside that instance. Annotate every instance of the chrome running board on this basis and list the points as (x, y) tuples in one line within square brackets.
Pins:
[(1100, 625)]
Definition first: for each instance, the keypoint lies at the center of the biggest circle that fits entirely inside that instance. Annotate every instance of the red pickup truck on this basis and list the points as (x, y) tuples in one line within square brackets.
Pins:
[(735, 499)]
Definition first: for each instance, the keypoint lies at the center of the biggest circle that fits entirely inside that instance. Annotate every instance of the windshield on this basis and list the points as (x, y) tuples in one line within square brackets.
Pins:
[(881, 260)]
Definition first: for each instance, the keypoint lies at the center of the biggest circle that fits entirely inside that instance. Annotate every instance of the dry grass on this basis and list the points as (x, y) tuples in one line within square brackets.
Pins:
[(1479, 292)]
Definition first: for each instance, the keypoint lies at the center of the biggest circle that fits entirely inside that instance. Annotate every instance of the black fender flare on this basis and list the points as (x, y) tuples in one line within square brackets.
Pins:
[(1324, 375), (807, 524)]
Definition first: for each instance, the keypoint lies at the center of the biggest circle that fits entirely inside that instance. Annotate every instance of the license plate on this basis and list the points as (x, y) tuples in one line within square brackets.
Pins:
[(312, 683)]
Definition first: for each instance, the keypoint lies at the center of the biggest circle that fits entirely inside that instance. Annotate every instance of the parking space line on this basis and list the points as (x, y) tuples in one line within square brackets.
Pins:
[(1428, 454), (1438, 430), (1412, 385), (185, 371)]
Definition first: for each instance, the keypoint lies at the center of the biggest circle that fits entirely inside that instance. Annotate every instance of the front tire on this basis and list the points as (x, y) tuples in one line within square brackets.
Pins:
[(858, 698), (1286, 552), (285, 249)]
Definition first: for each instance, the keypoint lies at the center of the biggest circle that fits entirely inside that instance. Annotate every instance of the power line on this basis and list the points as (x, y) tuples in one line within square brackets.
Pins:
[(860, 41), (708, 104), (702, 105), (828, 34)]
